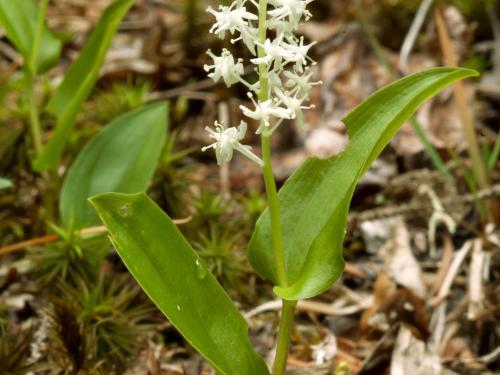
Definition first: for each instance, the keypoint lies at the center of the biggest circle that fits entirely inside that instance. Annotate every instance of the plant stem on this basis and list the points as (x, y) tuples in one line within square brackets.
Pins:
[(286, 322), (267, 169), (284, 331), (34, 117), (34, 120), (32, 63), (263, 78), (432, 153), (272, 201)]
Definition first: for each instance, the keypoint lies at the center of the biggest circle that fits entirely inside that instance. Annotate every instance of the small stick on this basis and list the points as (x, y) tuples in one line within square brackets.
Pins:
[(412, 34), (451, 59), (413, 208), (24, 244), (476, 293), (315, 307), (54, 237), (444, 266), (452, 272)]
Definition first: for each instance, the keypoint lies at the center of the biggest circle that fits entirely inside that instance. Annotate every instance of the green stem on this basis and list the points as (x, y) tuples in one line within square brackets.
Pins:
[(284, 331), (34, 121), (286, 321), (493, 157), (272, 201), (267, 169), (32, 68), (431, 151), (263, 78), (34, 117), (32, 63)]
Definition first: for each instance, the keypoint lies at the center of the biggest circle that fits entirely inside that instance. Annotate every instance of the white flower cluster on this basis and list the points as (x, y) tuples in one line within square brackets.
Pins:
[(283, 60)]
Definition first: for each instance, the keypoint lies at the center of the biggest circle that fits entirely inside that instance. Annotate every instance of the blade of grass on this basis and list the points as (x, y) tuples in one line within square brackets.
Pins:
[(451, 60), (431, 151), (495, 153)]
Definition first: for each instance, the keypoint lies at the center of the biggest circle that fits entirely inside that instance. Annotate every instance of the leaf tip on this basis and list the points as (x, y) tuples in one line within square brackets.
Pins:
[(470, 72)]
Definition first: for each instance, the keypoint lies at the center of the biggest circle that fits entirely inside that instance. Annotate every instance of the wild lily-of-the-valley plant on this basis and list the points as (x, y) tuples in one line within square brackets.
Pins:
[(297, 242)]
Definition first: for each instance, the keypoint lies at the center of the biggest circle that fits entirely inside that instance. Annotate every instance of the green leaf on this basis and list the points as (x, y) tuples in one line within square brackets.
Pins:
[(314, 201), (173, 276), (121, 158), (79, 82), (19, 19), (4, 183), (495, 153)]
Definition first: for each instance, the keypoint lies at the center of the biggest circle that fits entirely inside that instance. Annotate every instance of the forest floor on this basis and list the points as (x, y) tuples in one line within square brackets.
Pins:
[(421, 290)]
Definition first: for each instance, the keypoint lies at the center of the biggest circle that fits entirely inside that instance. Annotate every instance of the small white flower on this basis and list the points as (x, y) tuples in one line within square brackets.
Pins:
[(294, 106), (224, 66), (281, 26), (293, 9), (235, 18), (227, 140), (298, 53), (264, 110), (232, 18), (300, 81), (274, 53)]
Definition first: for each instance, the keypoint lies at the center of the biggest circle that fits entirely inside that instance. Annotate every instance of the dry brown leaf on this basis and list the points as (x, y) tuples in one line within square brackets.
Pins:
[(399, 261), (410, 356)]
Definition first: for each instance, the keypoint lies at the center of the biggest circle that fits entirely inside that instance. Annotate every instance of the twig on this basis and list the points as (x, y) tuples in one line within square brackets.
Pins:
[(53, 237), (8, 51), (178, 91), (451, 59), (452, 272), (24, 244), (444, 265), (191, 89), (490, 357), (312, 306), (413, 208), (437, 326), (412, 34), (476, 294)]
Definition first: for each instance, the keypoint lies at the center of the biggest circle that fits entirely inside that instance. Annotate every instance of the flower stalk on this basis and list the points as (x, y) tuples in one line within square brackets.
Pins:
[(284, 332), (34, 120), (284, 73)]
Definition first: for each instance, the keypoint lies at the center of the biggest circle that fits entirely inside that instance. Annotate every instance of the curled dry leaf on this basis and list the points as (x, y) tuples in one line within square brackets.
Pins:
[(393, 305), (399, 261), (410, 356)]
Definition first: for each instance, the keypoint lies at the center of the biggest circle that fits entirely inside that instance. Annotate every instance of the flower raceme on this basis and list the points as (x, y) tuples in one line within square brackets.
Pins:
[(285, 62)]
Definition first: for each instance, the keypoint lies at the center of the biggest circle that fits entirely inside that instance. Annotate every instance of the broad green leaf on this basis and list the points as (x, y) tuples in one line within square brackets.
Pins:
[(4, 183), (314, 201), (121, 158), (79, 81), (19, 19), (174, 277)]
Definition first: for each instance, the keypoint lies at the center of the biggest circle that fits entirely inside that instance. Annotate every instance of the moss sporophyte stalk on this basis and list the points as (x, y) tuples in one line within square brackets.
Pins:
[(280, 93)]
